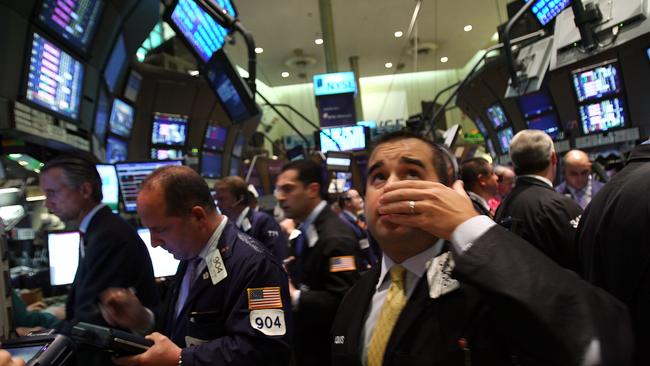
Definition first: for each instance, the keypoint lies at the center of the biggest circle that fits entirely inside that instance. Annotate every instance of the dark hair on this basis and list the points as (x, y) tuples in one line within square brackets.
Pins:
[(470, 169), (183, 189), (237, 187), (309, 172), (344, 197), (77, 170), (441, 162)]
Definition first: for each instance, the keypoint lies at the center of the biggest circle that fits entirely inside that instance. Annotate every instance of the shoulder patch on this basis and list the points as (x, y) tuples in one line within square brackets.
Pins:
[(343, 264), (264, 298)]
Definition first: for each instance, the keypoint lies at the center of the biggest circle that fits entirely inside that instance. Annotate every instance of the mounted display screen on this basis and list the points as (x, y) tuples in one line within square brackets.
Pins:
[(602, 116), (122, 116), (215, 137), (131, 176), (505, 136), (347, 137), (496, 115), (169, 129), (74, 20), (597, 81)]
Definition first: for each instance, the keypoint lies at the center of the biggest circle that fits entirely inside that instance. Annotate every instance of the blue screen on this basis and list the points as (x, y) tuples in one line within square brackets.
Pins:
[(546, 10), (133, 86), (535, 104), (496, 115), (74, 20), (116, 150), (211, 164), (234, 166), (55, 78), (169, 129), (116, 63), (547, 123), (204, 34), (481, 126), (596, 82), (602, 116), (490, 147), (348, 138), (239, 145), (215, 137), (504, 139), (122, 117), (101, 115), (166, 154)]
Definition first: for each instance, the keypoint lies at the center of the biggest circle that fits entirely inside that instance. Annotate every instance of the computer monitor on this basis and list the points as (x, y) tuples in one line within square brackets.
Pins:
[(122, 116), (597, 81), (481, 126), (547, 10), (505, 136), (204, 35), (110, 186), (116, 149), (602, 116), (63, 255), (238, 147), (116, 63), (131, 176), (296, 153), (496, 115), (166, 154), (169, 129), (101, 115), (535, 104), (74, 21), (132, 88), (211, 164), (163, 262), (235, 163), (546, 122), (347, 137), (339, 161), (215, 137), (490, 147), (54, 78)]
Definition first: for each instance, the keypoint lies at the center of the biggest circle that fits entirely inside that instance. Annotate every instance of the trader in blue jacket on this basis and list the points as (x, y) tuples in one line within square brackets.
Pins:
[(230, 303)]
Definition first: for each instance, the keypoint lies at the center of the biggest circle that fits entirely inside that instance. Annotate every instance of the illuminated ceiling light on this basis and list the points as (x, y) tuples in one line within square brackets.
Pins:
[(285, 74), (259, 50), (388, 65), (193, 72), (318, 41), (467, 28), (444, 59), (398, 34)]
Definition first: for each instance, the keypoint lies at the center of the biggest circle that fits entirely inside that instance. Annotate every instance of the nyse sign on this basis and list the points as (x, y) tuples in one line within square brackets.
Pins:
[(337, 83)]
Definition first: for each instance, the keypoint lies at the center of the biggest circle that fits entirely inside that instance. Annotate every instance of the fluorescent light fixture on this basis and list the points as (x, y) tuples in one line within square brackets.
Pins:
[(285, 74), (318, 41), (398, 34), (444, 59), (259, 50), (388, 65), (193, 72), (467, 28)]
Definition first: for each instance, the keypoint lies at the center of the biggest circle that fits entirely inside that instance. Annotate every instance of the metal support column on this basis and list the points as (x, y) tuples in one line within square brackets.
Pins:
[(329, 40), (358, 108)]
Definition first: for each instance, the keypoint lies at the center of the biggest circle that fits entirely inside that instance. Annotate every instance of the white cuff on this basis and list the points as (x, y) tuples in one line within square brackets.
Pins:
[(466, 233)]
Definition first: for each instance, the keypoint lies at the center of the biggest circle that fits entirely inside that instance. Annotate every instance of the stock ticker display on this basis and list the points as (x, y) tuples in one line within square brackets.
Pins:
[(74, 20)]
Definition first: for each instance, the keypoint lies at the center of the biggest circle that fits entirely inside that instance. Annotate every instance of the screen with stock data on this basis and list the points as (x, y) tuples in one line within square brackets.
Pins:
[(74, 20)]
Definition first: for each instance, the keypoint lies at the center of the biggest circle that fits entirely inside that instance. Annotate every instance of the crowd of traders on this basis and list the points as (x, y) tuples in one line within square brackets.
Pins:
[(501, 270)]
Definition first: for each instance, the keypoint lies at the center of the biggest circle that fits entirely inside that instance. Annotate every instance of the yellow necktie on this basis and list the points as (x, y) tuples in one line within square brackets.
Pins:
[(390, 310)]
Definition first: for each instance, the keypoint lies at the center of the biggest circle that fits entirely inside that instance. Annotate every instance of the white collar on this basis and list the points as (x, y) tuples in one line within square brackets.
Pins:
[(416, 264), (212, 243), (83, 226), (480, 199), (538, 177), (242, 216), (314, 214)]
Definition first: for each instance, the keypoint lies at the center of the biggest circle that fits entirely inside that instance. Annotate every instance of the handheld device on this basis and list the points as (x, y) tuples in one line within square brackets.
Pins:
[(109, 339), (48, 350)]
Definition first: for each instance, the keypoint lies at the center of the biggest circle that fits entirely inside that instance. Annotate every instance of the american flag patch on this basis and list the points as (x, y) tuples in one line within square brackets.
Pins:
[(264, 298), (342, 264)]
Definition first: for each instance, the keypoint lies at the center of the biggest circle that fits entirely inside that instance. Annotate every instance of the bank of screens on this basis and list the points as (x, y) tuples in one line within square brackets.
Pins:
[(116, 149), (505, 136), (63, 254), (74, 20), (496, 115), (122, 116), (344, 138), (198, 28), (211, 164), (163, 262), (132, 88), (166, 154), (539, 114), (169, 129), (215, 137), (602, 116), (547, 10), (131, 176), (101, 115), (116, 63), (597, 81), (54, 78), (110, 186)]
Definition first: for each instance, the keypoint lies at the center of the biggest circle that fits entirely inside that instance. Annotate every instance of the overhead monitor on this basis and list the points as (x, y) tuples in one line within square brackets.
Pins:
[(200, 30), (101, 115), (163, 262), (490, 147), (122, 116), (339, 161), (481, 126), (238, 147), (235, 163), (110, 186), (342, 138), (597, 81), (166, 154), (602, 116), (505, 136), (215, 137), (496, 115), (131, 176), (63, 255), (116, 149), (547, 10), (545, 122), (169, 129), (535, 104), (132, 88), (116, 63), (55, 78), (75, 21), (296, 153), (230, 89), (211, 164)]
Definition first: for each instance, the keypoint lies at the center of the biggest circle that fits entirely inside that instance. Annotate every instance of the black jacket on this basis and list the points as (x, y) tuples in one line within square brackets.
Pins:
[(544, 218), (613, 243), (514, 307)]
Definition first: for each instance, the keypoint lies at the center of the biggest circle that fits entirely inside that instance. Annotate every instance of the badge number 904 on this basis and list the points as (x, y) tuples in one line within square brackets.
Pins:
[(269, 321)]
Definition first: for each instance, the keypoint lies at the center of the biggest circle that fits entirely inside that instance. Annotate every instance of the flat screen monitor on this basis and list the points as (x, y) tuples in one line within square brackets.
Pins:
[(547, 10), (131, 176), (496, 115), (200, 30), (231, 90), (215, 137), (74, 20), (169, 129), (596, 82), (101, 115), (55, 78), (122, 116), (235, 163), (481, 126), (602, 116), (166, 154), (490, 147), (211, 164), (63, 254), (535, 104), (132, 88), (505, 136), (545, 122), (238, 147), (116, 64), (339, 161), (296, 153), (163, 262), (116, 150), (110, 186), (347, 137)]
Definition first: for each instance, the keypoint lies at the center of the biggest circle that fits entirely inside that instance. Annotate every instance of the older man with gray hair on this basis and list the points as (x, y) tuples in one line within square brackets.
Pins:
[(535, 211)]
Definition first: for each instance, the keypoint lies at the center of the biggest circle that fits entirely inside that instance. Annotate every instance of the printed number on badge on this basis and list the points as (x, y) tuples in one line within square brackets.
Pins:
[(269, 321)]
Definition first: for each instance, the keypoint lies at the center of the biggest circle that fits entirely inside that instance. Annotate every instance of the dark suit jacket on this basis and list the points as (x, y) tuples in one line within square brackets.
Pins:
[(613, 242), (219, 314), (514, 306), (322, 290), (369, 253), (266, 230), (544, 218)]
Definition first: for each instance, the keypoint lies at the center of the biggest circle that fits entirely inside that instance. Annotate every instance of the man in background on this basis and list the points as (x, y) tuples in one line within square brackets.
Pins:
[(351, 204), (579, 183), (505, 183), (480, 183)]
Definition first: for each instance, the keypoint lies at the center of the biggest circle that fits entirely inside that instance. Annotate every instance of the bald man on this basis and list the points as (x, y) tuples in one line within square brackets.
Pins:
[(579, 183)]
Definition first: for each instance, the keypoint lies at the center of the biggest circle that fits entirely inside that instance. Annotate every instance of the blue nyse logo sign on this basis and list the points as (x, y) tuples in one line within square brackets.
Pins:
[(337, 83)]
